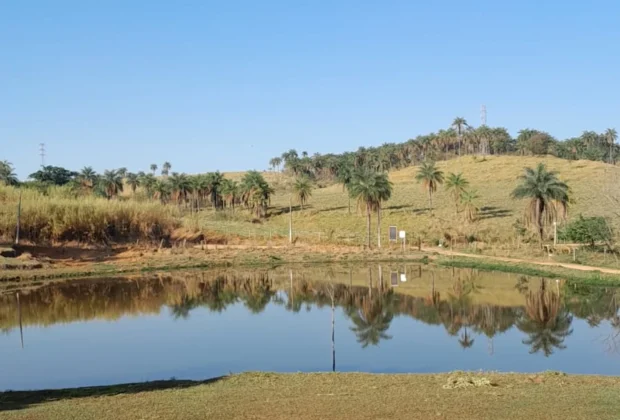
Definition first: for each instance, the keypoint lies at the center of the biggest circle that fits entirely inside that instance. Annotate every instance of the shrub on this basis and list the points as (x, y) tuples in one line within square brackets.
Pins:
[(587, 230)]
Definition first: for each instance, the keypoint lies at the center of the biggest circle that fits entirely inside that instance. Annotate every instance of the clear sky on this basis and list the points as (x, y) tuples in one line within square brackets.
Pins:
[(229, 84)]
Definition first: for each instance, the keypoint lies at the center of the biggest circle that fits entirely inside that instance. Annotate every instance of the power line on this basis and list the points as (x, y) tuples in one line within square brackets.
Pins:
[(42, 153)]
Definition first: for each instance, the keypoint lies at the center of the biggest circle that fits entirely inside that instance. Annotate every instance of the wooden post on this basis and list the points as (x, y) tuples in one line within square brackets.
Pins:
[(555, 233), (19, 216), (574, 254)]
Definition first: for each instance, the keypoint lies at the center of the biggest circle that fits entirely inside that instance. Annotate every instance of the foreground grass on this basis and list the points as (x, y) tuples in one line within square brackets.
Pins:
[(333, 396)]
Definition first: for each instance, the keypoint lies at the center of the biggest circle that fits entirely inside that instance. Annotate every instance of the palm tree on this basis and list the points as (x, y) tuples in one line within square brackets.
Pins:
[(230, 192), (122, 172), (372, 321), (369, 188), (215, 180), (256, 192), (161, 190), (465, 340), (133, 181), (345, 176), (430, 177), (153, 168), (112, 183), (88, 177), (148, 181), (181, 187), (7, 176), (611, 135), (459, 124), (548, 196), (303, 190), (469, 201), (165, 169), (545, 321), (456, 184), (275, 163)]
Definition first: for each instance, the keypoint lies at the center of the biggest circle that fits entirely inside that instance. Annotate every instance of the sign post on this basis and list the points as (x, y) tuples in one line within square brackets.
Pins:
[(403, 235), (393, 233)]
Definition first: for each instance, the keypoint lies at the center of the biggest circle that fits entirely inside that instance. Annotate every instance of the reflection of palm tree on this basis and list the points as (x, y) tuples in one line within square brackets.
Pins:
[(466, 341), (372, 321), (545, 322)]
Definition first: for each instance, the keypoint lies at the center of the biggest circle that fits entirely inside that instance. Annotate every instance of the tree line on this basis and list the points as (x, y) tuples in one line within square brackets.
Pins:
[(457, 140)]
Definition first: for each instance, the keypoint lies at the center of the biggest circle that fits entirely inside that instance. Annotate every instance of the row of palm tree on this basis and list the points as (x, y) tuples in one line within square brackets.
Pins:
[(458, 139), (192, 191)]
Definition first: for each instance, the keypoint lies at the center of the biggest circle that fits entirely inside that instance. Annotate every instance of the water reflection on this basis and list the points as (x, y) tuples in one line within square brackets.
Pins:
[(468, 305)]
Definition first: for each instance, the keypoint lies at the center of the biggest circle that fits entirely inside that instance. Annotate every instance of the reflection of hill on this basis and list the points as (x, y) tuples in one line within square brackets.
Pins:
[(546, 317)]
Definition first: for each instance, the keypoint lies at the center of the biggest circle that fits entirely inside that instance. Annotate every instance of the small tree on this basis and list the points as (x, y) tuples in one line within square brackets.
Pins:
[(588, 230)]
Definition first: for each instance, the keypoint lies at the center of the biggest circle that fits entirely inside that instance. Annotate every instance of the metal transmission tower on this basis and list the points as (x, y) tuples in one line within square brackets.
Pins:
[(483, 115), (42, 153)]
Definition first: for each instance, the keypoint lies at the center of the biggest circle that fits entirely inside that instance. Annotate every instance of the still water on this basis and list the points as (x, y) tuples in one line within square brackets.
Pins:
[(198, 325)]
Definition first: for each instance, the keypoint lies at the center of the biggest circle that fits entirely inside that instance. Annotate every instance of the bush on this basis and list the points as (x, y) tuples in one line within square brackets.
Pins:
[(587, 230)]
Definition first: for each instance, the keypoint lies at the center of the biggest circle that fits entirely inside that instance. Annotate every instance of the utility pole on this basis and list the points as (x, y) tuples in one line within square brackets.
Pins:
[(42, 153)]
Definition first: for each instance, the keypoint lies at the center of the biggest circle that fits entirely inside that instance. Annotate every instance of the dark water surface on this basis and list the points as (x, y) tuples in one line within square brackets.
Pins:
[(198, 325)]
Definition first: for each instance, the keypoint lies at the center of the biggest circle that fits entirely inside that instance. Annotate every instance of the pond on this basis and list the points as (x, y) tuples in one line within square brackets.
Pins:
[(389, 318)]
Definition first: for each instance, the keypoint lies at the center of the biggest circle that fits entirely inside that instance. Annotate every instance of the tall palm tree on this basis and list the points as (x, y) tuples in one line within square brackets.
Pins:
[(303, 190), (548, 196), (545, 322), (215, 180), (133, 181), (165, 169), (153, 168), (345, 176), (7, 175), (465, 340), (372, 321), (469, 201), (459, 124), (456, 184), (369, 188), (430, 177), (112, 183), (148, 181), (122, 172), (611, 135)]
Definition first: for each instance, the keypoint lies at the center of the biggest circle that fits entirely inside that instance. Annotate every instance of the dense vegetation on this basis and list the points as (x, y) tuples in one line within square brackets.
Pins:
[(457, 140)]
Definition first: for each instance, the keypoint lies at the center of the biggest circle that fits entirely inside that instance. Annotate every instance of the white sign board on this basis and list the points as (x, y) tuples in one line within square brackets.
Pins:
[(402, 234), (403, 277)]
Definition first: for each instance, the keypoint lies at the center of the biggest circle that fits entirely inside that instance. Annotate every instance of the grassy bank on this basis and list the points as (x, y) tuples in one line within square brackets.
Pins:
[(595, 278), (333, 396), (83, 263)]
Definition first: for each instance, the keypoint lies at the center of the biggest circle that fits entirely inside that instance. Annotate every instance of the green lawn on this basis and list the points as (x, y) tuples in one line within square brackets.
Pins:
[(332, 396)]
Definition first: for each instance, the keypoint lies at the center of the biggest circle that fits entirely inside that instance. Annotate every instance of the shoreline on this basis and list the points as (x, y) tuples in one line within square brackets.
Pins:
[(125, 261), (464, 395)]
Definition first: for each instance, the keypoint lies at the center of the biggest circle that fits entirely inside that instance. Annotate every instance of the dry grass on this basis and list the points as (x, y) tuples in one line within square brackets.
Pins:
[(494, 178), (59, 218), (331, 396)]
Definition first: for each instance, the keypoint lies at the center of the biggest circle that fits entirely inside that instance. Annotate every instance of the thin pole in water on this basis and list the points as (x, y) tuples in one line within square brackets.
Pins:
[(19, 315)]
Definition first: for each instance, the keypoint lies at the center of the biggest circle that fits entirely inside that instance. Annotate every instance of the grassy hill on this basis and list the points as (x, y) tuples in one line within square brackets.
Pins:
[(494, 177)]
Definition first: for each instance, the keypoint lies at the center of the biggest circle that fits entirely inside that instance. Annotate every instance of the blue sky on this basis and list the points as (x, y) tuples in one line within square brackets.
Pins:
[(229, 84)]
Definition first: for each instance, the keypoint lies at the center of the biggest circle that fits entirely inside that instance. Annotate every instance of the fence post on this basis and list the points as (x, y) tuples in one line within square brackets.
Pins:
[(19, 215)]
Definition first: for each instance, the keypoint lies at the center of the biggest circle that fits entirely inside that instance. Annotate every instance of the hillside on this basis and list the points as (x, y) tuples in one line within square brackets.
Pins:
[(494, 177)]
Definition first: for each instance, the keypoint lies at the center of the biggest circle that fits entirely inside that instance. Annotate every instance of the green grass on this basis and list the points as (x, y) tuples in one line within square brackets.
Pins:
[(587, 278), (332, 396)]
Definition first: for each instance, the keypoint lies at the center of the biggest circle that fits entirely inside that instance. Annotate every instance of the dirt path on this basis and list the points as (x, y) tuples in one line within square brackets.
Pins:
[(579, 267)]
